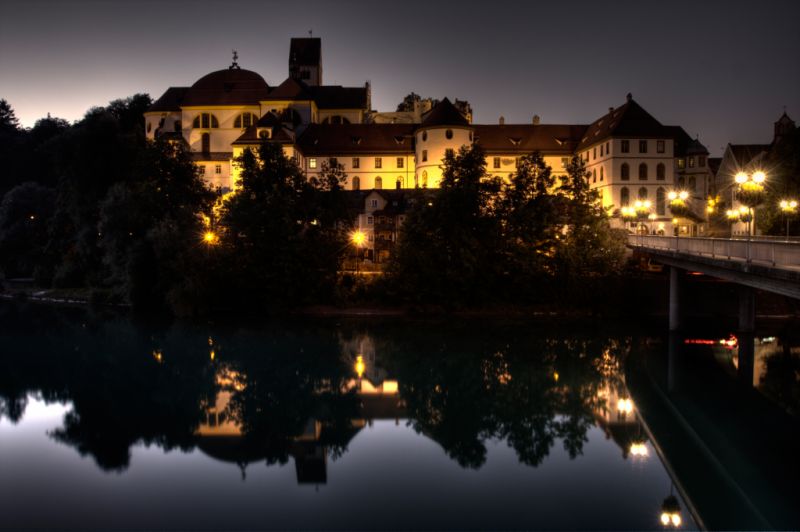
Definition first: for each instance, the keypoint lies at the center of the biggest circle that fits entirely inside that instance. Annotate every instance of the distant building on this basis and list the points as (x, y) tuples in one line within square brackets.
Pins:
[(630, 155)]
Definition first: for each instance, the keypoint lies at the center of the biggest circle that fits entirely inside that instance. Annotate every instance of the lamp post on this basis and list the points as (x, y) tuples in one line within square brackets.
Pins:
[(679, 208), (628, 213), (642, 209), (789, 208), (751, 193), (358, 238)]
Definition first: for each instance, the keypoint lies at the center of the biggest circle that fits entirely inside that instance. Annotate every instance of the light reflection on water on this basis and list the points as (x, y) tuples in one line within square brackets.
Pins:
[(322, 425)]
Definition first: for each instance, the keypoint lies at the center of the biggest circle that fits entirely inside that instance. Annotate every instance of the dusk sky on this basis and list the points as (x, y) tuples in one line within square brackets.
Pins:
[(723, 70)]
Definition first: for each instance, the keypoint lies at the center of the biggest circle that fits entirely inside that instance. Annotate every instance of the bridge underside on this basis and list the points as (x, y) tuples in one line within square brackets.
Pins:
[(764, 277)]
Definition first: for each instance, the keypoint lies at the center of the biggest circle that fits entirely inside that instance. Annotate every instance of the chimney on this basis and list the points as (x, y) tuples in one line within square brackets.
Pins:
[(502, 121), (629, 96), (536, 120), (610, 110)]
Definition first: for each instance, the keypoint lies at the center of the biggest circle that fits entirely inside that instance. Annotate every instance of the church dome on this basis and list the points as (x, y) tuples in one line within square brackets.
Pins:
[(232, 86)]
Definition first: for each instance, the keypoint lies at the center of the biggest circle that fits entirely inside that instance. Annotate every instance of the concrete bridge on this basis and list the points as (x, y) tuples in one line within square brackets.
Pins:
[(769, 265)]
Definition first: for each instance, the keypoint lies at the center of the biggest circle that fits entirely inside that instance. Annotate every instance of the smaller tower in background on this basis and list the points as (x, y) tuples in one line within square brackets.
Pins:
[(783, 127), (305, 60)]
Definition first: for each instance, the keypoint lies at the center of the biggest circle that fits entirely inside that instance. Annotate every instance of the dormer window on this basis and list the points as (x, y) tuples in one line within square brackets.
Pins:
[(399, 140), (516, 141), (265, 132), (355, 140)]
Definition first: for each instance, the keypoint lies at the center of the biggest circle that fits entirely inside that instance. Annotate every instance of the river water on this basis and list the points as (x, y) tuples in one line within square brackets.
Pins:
[(108, 422)]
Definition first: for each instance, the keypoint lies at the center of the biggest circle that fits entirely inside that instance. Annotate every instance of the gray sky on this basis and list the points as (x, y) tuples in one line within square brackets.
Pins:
[(721, 69)]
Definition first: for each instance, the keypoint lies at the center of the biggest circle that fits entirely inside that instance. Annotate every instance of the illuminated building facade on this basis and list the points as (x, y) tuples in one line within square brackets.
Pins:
[(629, 154)]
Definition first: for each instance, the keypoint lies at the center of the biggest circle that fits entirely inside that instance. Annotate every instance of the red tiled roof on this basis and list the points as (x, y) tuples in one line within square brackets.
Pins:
[(627, 120), (332, 139), (232, 86), (169, 101), (444, 113), (528, 138)]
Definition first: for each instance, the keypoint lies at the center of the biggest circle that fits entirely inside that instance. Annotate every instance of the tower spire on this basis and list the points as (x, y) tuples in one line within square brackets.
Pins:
[(235, 64)]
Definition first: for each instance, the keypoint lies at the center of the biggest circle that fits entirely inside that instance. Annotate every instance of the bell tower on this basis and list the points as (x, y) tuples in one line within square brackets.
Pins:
[(305, 60)]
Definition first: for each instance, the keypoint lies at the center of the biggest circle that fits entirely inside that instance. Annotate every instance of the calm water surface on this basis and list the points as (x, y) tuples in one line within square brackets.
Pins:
[(108, 423)]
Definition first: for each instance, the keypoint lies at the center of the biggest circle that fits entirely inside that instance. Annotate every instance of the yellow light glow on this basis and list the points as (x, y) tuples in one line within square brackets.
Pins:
[(652, 216), (741, 177), (556, 376), (676, 519), (732, 215), (360, 366), (639, 449), (389, 386), (675, 221), (664, 518), (625, 406), (759, 177), (646, 204), (158, 356), (358, 238), (683, 195), (743, 210), (672, 195), (210, 238), (212, 355)]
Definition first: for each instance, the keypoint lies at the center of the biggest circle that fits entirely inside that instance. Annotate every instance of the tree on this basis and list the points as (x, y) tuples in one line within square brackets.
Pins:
[(447, 253), (8, 119), (151, 229), (24, 214), (589, 248), (286, 240)]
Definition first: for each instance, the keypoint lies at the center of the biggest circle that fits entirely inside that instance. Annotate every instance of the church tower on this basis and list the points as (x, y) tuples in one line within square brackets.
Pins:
[(783, 127), (305, 60)]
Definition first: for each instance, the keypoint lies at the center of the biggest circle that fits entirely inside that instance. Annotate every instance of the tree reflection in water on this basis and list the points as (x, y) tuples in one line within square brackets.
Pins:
[(245, 395)]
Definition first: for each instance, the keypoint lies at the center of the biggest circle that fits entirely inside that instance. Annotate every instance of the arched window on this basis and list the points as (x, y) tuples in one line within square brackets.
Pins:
[(399, 183), (205, 142), (624, 196), (661, 172), (205, 121), (643, 171), (448, 133), (245, 120), (424, 179), (661, 206), (601, 173), (625, 172), (378, 183), (642, 193), (692, 184), (356, 183)]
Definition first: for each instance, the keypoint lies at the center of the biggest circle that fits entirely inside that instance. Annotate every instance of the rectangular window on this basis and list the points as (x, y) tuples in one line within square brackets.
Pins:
[(374, 203), (496, 162), (701, 161), (642, 146), (594, 153), (334, 162), (626, 146), (691, 162), (356, 162), (378, 162), (608, 148), (660, 146), (369, 220), (601, 150), (681, 163), (424, 155), (312, 162), (202, 169), (218, 169), (399, 162), (564, 162)]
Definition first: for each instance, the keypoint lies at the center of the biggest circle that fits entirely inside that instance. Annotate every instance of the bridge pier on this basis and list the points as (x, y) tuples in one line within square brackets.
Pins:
[(747, 325), (674, 298)]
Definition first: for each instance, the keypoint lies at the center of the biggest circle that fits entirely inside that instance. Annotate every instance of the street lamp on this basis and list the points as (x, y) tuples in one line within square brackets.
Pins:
[(358, 238), (751, 192), (671, 512), (678, 206), (789, 208)]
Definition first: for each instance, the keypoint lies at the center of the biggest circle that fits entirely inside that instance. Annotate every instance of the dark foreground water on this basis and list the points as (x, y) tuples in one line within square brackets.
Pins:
[(109, 423)]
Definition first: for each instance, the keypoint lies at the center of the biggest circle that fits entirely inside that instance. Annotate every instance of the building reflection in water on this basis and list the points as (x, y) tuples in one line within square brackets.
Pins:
[(221, 437)]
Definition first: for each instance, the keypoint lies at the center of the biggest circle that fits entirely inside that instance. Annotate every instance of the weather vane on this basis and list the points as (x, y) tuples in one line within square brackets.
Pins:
[(235, 59), (310, 33)]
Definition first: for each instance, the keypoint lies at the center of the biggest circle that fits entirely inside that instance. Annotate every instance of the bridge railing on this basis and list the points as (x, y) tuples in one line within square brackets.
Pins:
[(775, 253)]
